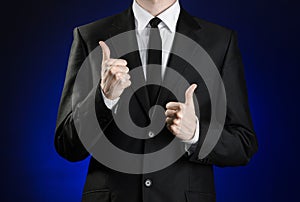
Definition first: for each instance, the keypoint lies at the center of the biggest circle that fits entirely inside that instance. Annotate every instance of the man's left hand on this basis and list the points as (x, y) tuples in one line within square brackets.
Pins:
[(181, 118)]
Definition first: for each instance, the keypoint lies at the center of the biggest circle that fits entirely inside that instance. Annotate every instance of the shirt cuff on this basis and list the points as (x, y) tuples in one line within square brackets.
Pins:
[(108, 102), (188, 143)]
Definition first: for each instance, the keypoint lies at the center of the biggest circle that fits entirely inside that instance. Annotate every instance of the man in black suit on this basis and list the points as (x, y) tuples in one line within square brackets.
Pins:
[(189, 178)]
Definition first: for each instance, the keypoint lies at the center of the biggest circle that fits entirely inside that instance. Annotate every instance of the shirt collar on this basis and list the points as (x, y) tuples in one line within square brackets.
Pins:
[(169, 17)]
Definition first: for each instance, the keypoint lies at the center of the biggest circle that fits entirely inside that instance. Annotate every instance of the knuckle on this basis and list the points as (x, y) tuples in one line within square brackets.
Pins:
[(112, 70), (177, 121), (125, 84), (179, 115), (122, 85), (123, 61), (174, 129), (120, 76), (116, 76), (182, 106), (168, 105)]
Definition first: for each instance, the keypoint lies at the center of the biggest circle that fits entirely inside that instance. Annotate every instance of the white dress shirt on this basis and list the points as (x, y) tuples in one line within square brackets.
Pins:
[(167, 29)]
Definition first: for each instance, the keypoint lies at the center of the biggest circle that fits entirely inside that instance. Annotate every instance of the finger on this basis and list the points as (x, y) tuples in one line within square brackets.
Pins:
[(173, 121), (120, 79), (169, 120), (116, 62), (117, 69), (170, 113), (122, 76), (110, 72), (176, 122), (107, 77), (105, 89), (126, 84), (174, 129), (105, 51), (121, 83), (189, 94), (108, 83), (174, 105)]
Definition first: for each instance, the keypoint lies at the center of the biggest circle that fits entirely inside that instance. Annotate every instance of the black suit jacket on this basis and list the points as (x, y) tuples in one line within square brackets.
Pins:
[(190, 178)]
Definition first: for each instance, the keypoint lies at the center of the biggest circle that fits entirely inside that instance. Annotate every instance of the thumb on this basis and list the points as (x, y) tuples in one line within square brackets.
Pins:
[(105, 51), (189, 94)]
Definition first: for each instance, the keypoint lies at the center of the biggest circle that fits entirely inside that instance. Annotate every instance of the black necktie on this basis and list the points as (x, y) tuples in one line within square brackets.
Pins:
[(154, 61)]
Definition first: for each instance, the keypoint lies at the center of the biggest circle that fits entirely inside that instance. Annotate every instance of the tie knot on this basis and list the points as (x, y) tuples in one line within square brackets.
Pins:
[(154, 22)]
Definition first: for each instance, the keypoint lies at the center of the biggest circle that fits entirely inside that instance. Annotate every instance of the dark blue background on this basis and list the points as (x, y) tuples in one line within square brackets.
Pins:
[(36, 38)]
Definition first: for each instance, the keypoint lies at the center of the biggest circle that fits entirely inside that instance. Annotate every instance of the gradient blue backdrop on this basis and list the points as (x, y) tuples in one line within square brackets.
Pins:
[(36, 38)]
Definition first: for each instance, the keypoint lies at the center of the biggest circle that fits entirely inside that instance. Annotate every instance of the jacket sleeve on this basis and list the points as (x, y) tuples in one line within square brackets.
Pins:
[(238, 142), (67, 142)]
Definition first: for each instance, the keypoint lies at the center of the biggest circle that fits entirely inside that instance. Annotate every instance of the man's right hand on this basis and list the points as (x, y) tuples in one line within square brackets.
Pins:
[(114, 74)]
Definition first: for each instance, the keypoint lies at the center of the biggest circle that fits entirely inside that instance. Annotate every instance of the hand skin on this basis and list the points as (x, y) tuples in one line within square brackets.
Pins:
[(181, 118), (114, 74)]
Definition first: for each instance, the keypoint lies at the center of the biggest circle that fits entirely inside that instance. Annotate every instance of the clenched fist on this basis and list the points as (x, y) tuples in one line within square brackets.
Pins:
[(181, 118), (114, 74)]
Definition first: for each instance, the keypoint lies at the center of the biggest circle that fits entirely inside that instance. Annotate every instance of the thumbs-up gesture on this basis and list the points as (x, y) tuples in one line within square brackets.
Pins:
[(114, 74), (181, 118)]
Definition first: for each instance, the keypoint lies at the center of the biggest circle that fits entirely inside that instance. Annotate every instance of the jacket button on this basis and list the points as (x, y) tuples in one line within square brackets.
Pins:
[(148, 183), (151, 134)]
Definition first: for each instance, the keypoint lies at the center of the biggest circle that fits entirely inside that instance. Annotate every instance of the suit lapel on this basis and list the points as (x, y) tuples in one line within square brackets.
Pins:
[(124, 22)]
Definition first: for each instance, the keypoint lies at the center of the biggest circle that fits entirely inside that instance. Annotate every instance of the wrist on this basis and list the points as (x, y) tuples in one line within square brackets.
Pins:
[(195, 135)]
